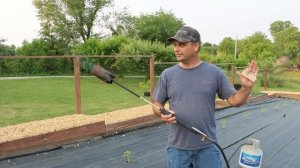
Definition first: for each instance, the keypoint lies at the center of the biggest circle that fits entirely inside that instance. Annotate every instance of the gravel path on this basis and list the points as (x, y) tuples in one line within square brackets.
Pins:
[(14, 132)]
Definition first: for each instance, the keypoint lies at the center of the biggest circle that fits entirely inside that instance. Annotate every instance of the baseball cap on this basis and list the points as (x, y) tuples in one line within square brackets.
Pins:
[(186, 34)]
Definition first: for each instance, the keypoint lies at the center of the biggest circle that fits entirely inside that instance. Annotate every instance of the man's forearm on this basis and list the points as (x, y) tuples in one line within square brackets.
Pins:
[(240, 96), (157, 111)]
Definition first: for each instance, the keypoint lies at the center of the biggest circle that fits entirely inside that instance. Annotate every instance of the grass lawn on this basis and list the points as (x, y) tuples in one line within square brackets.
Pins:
[(26, 100), (291, 82)]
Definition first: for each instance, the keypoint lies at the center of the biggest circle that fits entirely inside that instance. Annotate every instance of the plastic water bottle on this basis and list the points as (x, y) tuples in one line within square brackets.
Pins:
[(251, 155)]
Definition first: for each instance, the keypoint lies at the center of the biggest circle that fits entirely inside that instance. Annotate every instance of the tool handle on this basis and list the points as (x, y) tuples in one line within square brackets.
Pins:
[(178, 120), (165, 112)]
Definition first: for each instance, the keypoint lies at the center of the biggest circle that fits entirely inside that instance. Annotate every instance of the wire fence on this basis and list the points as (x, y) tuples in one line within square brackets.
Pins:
[(41, 87)]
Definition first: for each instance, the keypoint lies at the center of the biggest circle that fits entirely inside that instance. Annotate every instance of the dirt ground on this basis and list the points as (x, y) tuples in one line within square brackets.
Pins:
[(285, 92)]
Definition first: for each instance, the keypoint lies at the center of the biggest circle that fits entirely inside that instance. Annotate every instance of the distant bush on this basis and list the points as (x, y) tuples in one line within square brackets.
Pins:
[(142, 47), (273, 81), (121, 45), (96, 46), (38, 47)]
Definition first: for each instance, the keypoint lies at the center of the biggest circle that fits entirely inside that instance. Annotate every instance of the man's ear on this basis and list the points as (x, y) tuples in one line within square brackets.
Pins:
[(197, 46)]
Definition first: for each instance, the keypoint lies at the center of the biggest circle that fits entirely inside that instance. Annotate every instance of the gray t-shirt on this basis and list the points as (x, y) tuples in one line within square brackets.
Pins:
[(191, 94)]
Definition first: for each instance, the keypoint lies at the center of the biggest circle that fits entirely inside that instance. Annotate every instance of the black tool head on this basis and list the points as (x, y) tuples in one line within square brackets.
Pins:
[(103, 74)]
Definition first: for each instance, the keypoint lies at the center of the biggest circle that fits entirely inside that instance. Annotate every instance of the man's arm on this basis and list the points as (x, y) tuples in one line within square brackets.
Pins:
[(247, 83), (240, 96)]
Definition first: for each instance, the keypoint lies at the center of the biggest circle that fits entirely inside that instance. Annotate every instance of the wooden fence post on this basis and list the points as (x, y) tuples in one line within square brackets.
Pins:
[(76, 63), (266, 82), (232, 73), (152, 76)]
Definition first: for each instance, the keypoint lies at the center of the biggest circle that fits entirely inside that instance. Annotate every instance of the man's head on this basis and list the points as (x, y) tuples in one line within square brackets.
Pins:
[(186, 43)]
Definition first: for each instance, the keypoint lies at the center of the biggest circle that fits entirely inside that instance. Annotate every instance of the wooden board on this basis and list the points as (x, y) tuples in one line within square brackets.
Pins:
[(286, 95), (50, 140)]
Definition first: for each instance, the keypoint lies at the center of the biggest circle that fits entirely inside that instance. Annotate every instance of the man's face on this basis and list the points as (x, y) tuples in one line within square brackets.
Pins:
[(185, 51)]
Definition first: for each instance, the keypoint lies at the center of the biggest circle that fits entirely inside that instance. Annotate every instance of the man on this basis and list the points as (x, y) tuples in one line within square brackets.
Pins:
[(190, 87)]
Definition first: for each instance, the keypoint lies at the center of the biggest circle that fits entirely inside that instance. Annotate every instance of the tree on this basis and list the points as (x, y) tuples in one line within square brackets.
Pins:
[(256, 46), (6, 50), (209, 49), (227, 46), (279, 26), (288, 41), (161, 52), (42, 47), (121, 23), (68, 20), (286, 38), (157, 27), (38, 47)]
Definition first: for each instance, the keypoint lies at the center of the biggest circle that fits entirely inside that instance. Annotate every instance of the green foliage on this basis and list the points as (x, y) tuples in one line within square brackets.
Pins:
[(274, 82), (286, 38), (141, 47), (207, 51), (256, 47), (263, 110), (145, 85), (242, 62), (38, 47), (288, 41), (68, 20), (246, 115), (90, 47), (267, 63), (127, 155), (227, 46), (122, 23), (279, 26), (157, 27), (121, 45), (6, 50), (224, 122), (95, 46)]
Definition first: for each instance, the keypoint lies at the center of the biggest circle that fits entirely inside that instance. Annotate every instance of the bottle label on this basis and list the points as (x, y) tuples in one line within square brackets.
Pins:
[(250, 160)]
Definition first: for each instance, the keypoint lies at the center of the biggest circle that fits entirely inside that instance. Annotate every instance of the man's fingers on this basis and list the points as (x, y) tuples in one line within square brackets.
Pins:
[(169, 118), (171, 111), (253, 67)]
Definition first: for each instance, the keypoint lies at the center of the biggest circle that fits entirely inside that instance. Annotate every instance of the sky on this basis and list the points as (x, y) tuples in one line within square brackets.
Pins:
[(214, 19)]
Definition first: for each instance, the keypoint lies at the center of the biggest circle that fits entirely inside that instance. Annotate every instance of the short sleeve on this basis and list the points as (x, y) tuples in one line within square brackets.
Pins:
[(160, 92), (225, 88)]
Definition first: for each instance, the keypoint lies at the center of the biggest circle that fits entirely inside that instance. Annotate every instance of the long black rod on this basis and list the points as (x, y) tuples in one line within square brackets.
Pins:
[(126, 89)]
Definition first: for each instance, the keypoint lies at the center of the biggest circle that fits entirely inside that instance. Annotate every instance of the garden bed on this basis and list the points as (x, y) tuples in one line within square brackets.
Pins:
[(52, 133)]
